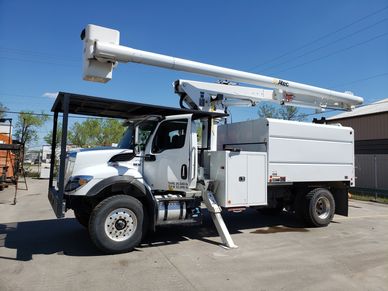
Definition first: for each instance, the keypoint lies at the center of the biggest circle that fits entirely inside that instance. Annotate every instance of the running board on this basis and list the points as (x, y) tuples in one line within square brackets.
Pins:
[(215, 212)]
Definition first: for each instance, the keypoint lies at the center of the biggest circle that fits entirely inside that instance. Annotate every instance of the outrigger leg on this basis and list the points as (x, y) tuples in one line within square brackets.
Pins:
[(215, 212)]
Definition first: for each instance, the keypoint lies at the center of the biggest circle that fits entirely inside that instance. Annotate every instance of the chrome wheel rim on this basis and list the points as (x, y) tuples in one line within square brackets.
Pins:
[(322, 207), (120, 224)]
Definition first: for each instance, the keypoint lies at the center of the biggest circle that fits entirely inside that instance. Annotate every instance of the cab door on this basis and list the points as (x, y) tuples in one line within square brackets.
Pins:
[(167, 156)]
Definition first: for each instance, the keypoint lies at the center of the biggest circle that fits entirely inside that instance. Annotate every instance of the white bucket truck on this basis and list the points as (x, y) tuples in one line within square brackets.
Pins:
[(171, 160)]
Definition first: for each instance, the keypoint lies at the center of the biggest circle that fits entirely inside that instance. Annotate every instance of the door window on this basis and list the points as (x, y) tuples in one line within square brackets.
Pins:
[(171, 134)]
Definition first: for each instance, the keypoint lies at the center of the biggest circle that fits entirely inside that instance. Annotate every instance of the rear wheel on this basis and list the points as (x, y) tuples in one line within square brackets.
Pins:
[(319, 207), (117, 224)]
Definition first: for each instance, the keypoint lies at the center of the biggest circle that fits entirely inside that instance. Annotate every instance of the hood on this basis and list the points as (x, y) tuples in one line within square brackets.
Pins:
[(92, 157)]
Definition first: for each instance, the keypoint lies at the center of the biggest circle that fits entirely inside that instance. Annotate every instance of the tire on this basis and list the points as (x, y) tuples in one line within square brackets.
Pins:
[(82, 217), (128, 228), (319, 207)]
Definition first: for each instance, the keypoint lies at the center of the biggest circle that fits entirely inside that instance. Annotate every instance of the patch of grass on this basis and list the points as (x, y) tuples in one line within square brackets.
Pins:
[(369, 195), (32, 174)]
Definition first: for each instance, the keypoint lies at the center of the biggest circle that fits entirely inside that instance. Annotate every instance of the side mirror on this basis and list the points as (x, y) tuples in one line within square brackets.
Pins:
[(136, 138)]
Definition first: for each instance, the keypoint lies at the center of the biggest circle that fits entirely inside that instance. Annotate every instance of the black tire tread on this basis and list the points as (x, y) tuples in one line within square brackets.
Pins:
[(307, 212), (94, 235)]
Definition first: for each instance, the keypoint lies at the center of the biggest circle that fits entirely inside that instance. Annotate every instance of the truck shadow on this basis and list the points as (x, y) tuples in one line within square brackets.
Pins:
[(61, 236), (236, 222), (67, 237)]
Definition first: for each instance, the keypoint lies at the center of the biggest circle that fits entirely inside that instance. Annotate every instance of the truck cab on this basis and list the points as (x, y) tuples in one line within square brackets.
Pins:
[(162, 151)]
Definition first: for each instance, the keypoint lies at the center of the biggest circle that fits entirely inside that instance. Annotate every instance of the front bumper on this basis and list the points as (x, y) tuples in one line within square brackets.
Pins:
[(58, 203)]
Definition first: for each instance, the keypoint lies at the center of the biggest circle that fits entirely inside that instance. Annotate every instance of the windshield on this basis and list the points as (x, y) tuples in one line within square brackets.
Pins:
[(144, 130), (126, 141)]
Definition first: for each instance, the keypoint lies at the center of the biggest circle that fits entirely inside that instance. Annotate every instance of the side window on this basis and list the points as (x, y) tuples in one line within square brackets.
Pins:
[(200, 123), (171, 134)]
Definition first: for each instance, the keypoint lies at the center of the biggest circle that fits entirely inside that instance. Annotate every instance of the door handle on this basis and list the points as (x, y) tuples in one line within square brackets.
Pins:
[(149, 158), (184, 172)]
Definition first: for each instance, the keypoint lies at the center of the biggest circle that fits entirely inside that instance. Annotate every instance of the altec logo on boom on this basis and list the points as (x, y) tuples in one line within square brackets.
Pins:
[(280, 82)]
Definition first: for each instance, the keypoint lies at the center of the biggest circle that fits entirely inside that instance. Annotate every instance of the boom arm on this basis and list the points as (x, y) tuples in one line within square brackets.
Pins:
[(212, 96), (102, 52)]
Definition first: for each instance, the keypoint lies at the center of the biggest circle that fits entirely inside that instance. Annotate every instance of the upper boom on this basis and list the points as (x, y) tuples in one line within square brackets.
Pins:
[(102, 52)]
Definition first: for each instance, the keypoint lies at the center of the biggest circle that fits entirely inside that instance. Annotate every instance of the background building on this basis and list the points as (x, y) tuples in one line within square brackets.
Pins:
[(370, 124)]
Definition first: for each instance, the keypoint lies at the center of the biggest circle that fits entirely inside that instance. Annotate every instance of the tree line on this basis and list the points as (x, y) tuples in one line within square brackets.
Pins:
[(91, 133)]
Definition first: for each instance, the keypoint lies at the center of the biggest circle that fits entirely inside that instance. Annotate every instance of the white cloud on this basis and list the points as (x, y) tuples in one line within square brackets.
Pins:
[(50, 94)]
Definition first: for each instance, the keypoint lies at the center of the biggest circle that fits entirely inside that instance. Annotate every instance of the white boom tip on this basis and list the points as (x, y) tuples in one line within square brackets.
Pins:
[(96, 70)]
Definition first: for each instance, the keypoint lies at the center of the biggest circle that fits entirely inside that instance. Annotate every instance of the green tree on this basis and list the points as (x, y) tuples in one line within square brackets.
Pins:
[(291, 113), (282, 112), (2, 109), (268, 111), (84, 134), (112, 131), (26, 128), (96, 132), (49, 137)]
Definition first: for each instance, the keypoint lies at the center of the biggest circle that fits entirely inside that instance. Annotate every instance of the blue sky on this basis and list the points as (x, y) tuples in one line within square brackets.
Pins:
[(342, 42)]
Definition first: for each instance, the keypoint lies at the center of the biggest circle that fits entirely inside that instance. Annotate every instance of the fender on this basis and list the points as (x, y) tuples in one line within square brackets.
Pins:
[(129, 180)]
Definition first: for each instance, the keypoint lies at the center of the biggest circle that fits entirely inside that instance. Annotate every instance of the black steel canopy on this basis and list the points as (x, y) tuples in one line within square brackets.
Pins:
[(113, 108)]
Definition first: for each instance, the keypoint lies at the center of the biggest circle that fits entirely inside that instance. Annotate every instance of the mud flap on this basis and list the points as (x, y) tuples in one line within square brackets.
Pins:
[(341, 199)]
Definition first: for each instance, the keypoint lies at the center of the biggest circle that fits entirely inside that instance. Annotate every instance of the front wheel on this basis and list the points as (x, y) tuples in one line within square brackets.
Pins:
[(117, 224), (320, 207)]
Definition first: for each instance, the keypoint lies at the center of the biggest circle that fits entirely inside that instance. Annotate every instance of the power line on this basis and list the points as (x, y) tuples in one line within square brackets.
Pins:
[(19, 95), (8, 98), (334, 53), (326, 45), (52, 115), (360, 80), (37, 61), (320, 38), (36, 53), (30, 113), (43, 97), (11, 101)]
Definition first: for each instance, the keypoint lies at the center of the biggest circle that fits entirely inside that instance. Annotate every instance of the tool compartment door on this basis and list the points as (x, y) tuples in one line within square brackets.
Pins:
[(257, 179), (241, 178), (237, 180)]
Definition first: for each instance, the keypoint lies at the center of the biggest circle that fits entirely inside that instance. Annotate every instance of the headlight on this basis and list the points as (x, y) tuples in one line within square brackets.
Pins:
[(77, 182)]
